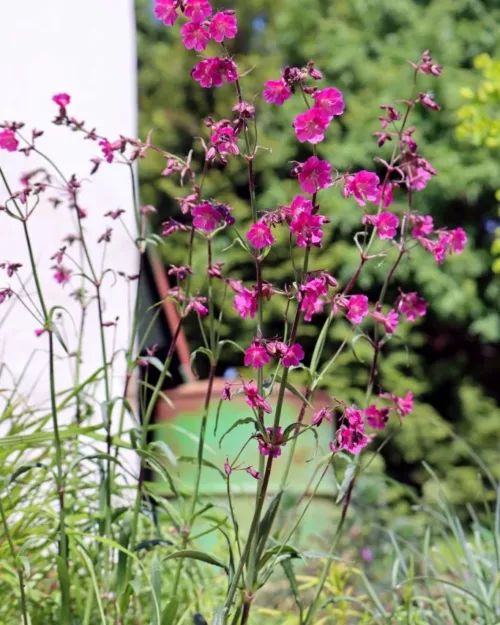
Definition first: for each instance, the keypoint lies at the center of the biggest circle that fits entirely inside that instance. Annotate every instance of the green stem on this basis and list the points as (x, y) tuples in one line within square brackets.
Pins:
[(19, 571)]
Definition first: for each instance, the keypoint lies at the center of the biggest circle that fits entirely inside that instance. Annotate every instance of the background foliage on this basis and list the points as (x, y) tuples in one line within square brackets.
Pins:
[(451, 359)]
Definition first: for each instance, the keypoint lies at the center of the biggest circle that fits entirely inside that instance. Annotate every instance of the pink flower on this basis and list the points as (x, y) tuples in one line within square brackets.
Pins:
[(311, 297), (299, 205), (307, 227), (8, 141), (293, 356), (62, 275), (422, 225), (206, 217), (195, 36), (166, 11), (418, 179), (197, 304), (213, 72), (402, 405), (276, 92), (428, 101), (354, 417), (109, 149), (386, 224), (411, 306), (457, 241), (450, 242), (223, 26), (389, 321), (323, 413), (357, 308), (253, 398), (40, 331), (226, 393), (61, 99), (311, 125), (314, 174), (377, 417), (197, 10), (351, 439), (245, 303), (256, 356), (387, 198), (227, 468), (330, 101), (255, 474), (224, 140), (364, 187), (270, 448), (260, 236)]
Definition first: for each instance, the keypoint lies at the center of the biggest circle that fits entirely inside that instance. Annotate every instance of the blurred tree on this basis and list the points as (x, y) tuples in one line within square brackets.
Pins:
[(362, 47)]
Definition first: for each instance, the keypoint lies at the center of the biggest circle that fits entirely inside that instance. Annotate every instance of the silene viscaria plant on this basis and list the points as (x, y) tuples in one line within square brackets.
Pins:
[(100, 551)]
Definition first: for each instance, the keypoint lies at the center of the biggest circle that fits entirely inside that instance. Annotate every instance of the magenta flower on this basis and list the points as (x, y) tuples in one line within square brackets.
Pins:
[(385, 195), (255, 474), (320, 415), (108, 149), (350, 439), (276, 92), (253, 398), (62, 275), (402, 405), (224, 140), (8, 141), (260, 236), (40, 331), (166, 11), (198, 305), (418, 179), (293, 356), (366, 554), (311, 125), (268, 448), (206, 217), (197, 10), (457, 241), (330, 101), (357, 308), (314, 174), (389, 321), (377, 417), (195, 35), (299, 205), (428, 101), (386, 224), (245, 303), (364, 187), (450, 242), (307, 228), (256, 356), (227, 468), (354, 417), (61, 99), (311, 297), (213, 72), (411, 306), (223, 26), (422, 225)]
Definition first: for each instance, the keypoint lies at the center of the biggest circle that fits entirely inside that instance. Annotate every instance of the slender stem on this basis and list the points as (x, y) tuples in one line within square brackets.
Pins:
[(19, 570)]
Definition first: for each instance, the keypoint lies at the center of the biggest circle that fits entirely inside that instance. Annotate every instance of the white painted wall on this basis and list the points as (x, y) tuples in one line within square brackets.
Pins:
[(86, 49)]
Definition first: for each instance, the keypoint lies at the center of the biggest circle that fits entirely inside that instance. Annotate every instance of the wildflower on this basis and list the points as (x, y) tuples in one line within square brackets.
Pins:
[(350, 439), (62, 275), (299, 205), (226, 393), (213, 72), (195, 36), (260, 236), (422, 225), (330, 101), (114, 214), (255, 474), (389, 321), (411, 306), (428, 101), (402, 405), (223, 26), (245, 303), (267, 448), (5, 294), (366, 554), (385, 195), (61, 99), (377, 417), (276, 92), (39, 331), (357, 308), (363, 185), (293, 356), (256, 356), (311, 125), (198, 305), (450, 242), (206, 217), (307, 228), (320, 415), (8, 141), (314, 174), (224, 140), (197, 10), (11, 268), (166, 11), (354, 417), (108, 149), (385, 224), (254, 400), (227, 468), (311, 297)]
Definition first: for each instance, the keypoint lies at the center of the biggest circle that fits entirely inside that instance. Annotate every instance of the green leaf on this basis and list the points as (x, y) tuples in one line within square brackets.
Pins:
[(290, 574), (124, 541), (237, 424), (267, 522), (156, 586), (197, 555), (170, 612), (348, 476), (64, 584)]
